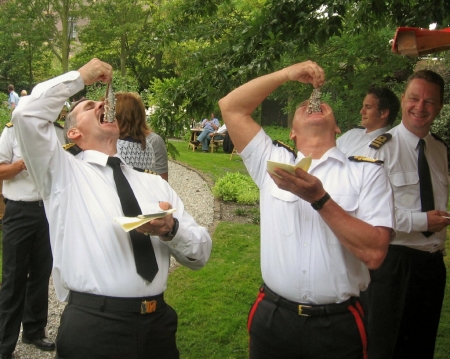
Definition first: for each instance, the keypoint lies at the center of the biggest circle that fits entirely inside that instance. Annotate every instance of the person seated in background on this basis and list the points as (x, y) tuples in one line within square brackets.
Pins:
[(209, 126), (379, 111), (218, 135), (138, 145)]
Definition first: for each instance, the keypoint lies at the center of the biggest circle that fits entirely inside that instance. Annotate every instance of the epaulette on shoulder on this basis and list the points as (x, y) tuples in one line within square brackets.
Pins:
[(380, 140), (439, 139), (287, 147), (9, 125), (72, 148), (144, 170), (57, 124), (365, 159)]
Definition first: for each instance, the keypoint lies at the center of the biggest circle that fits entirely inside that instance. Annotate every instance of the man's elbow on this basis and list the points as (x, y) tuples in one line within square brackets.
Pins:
[(376, 259), (378, 254)]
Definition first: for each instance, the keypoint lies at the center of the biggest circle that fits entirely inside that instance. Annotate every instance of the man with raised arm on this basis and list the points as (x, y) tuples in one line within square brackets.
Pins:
[(320, 230), (116, 306)]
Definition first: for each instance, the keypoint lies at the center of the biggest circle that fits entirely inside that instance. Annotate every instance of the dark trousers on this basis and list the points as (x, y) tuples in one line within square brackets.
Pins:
[(278, 333), (102, 334), (403, 304), (27, 264)]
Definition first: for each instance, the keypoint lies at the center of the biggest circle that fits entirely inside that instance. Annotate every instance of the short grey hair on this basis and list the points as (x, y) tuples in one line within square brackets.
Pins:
[(70, 121)]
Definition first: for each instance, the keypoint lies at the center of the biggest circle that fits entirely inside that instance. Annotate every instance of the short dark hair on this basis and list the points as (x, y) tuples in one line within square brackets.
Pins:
[(429, 76), (10, 87), (387, 100)]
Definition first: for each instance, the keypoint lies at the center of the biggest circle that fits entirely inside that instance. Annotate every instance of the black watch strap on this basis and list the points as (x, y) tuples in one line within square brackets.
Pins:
[(320, 203), (174, 230)]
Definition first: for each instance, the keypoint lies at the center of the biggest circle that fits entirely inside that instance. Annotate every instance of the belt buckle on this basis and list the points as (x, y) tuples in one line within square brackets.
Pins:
[(148, 306), (300, 310)]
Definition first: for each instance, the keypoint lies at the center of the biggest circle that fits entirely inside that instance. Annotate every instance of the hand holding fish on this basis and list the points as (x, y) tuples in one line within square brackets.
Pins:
[(94, 71)]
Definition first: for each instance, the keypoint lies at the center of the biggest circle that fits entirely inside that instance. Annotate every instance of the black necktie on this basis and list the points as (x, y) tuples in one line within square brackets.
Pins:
[(144, 255), (426, 188)]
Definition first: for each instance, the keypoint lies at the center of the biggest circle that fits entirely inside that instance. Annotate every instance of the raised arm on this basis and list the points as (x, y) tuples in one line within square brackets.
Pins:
[(239, 104)]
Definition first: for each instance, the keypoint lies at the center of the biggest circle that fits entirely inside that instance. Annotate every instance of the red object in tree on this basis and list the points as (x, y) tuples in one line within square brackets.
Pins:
[(413, 41)]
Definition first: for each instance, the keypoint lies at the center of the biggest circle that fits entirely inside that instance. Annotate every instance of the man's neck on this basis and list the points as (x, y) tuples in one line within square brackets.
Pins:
[(316, 146)]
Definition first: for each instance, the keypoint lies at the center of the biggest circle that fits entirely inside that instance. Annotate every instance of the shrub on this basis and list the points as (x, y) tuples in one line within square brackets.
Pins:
[(235, 186)]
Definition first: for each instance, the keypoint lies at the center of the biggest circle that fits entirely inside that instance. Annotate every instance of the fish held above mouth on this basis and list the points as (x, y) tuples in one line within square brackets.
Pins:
[(314, 101), (110, 105)]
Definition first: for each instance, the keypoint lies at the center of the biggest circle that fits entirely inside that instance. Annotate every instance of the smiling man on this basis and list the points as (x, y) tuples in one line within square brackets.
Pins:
[(115, 309), (378, 113), (404, 298), (320, 231)]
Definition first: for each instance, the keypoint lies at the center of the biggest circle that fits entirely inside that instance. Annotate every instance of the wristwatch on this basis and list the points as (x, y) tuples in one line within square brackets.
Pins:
[(174, 229), (320, 203)]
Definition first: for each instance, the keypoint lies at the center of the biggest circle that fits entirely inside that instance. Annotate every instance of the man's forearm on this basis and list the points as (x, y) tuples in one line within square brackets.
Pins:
[(366, 242), (11, 170)]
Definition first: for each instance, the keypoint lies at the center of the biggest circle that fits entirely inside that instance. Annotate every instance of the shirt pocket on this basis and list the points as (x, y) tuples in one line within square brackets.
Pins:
[(284, 207), (406, 183)]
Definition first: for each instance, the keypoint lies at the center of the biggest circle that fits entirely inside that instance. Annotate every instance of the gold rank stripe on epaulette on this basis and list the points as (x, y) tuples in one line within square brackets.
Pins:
[(57, 124), (72, 148), (144, 170), (365, 159), (380, 140), (9, 125), (287, 147)]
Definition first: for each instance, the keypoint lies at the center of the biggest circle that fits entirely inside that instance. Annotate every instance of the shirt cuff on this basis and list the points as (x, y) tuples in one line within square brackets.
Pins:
[(419, 221)]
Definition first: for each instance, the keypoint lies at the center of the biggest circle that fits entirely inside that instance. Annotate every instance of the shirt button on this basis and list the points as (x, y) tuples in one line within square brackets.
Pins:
[(305, 244), (303, 271), (305, 297), (307, 218)]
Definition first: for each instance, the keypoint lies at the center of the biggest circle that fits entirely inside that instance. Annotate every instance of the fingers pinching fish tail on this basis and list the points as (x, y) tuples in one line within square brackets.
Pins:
[(110, 103)]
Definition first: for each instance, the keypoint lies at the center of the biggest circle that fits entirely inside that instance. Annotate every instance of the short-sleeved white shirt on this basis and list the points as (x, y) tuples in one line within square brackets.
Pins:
[(355, 141), (301, 258)]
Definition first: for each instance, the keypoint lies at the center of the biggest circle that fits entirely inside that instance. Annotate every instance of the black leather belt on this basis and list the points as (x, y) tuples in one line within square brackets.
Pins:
[(143, 305), (26, 203), (308, 310)]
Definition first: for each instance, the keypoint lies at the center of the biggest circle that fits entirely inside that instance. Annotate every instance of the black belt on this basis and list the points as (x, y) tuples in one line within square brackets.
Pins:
[(308, 310), (143, 305), (26, 203)]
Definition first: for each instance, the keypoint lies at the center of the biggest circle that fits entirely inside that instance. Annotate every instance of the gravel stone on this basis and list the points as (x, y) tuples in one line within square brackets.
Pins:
[(198, 201)]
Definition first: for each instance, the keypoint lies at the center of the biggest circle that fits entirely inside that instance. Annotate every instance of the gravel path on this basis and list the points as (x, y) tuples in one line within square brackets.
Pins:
[(199, 202)]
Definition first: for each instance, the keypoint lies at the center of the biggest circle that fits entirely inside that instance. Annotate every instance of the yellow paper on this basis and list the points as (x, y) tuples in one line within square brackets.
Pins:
[(129, 223), (304, 164)]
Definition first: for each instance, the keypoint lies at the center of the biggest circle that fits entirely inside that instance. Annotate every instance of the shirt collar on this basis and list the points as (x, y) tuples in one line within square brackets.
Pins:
[(410, 137), (333, 152), (96, 157)]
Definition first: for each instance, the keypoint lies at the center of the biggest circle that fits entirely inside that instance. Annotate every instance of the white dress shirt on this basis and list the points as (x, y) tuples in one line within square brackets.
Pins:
[(301, 258), (21, 187), (400, 161), (91, 252), (355, 141)]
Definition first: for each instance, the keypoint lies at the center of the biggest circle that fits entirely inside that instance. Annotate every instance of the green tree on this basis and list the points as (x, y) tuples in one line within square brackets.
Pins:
[(116, 29)]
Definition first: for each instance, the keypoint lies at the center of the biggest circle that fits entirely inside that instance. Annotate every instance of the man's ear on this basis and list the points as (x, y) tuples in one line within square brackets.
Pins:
[(292, 135), (384, 113), (73, 133)]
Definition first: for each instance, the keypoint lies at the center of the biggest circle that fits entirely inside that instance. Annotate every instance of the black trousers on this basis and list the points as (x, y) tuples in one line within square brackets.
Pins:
[(102, 334), (27, 264), (278, 333), (403, 304)]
